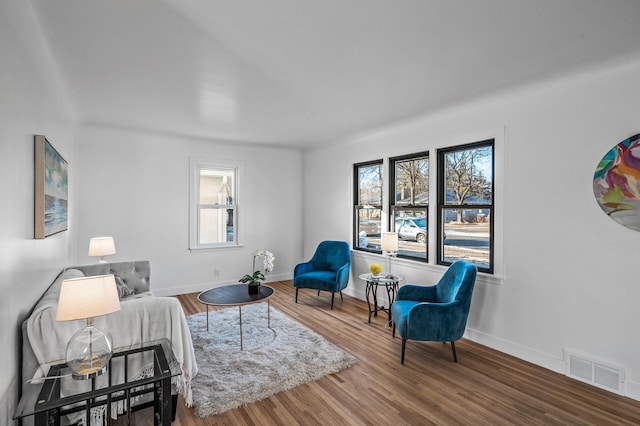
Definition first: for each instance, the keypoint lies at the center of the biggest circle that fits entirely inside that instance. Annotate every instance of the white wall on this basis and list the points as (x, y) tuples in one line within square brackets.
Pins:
[(569, 279), (570, 273), (134, 186), (32, 101)]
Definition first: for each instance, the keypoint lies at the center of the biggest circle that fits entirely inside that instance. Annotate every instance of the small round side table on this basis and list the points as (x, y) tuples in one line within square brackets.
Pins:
[(391, 284)]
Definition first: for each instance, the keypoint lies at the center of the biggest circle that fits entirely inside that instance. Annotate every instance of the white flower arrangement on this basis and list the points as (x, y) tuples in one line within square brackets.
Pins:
[(267, 262), (267, 259)]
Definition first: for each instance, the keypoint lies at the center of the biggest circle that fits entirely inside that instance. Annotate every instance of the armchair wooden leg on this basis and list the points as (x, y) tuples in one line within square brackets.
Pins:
[(404, 346), (297, 288), (341, 298), (333, 295), (453, 349), (318, 292), (393, 329)]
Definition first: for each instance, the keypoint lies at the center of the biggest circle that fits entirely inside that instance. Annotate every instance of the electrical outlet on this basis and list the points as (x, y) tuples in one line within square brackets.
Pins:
[(216, 272)]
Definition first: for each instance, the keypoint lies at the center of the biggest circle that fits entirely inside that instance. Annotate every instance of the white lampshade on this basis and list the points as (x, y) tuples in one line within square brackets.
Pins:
[(102, 246), (90, 349), (86, 297), (389, 241)]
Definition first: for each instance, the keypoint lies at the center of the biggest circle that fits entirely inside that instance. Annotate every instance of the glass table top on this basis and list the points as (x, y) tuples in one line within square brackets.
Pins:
[(381, 278), (129, 365)]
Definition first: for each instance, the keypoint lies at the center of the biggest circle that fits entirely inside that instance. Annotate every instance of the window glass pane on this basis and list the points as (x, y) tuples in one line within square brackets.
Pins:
[(468, 239), (216, 186), (469, 176), (411, 227), (370, 185), (369, 221), (216, 226), (412, 181)]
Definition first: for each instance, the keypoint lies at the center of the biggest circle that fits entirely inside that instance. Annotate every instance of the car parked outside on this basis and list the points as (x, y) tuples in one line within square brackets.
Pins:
[(412, 228), (369, 227)]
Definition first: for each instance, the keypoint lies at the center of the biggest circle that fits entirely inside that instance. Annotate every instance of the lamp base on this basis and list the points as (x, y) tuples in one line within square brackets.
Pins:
[(88, 370), (89, 352)]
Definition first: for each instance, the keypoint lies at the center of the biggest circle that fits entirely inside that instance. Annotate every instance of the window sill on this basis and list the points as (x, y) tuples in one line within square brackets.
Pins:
[(423, 266), (216, 248)]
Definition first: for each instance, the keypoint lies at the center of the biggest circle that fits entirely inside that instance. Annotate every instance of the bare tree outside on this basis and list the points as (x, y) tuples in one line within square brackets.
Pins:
[(466, 176), (370, 185), (465, 194), (412, 180)]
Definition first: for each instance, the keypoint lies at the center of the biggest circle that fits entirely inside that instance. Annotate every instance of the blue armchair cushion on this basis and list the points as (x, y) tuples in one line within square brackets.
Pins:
[(320, 280)]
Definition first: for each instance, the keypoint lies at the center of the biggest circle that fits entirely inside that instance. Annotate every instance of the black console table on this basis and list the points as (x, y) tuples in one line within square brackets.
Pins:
[(60, 395)]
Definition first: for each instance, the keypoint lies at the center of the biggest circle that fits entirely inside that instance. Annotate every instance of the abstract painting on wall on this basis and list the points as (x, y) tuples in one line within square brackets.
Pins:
[(51, 189), (616, 183)]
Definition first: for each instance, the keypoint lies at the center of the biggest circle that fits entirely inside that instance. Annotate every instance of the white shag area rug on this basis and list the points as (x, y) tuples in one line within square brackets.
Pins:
[(273, 360)]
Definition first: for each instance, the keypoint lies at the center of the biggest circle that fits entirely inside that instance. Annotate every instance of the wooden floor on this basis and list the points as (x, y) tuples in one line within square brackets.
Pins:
[(485, 387)]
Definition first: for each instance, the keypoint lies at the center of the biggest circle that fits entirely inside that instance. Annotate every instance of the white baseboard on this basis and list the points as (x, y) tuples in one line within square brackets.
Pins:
[(355, 292), (550, 362), (632, 390), (533, 356)]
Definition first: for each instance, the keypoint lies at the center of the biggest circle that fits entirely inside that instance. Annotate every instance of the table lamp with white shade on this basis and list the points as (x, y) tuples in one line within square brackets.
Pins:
[(389, 244), (102, 246), (90, 349)]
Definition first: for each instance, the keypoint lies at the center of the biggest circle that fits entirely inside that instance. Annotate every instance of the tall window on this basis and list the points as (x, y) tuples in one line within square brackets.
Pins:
[(466, 204), (409, 204), (213, 221), (367, 205)]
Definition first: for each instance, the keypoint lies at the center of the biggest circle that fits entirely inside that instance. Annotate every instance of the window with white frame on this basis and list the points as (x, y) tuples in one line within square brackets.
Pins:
[(213, 204)]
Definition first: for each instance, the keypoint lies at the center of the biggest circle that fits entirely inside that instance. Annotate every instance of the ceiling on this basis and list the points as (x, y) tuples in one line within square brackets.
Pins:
[(305, 72)]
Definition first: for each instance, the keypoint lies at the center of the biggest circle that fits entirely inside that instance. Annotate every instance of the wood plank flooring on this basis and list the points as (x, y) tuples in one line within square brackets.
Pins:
[(485, 387)]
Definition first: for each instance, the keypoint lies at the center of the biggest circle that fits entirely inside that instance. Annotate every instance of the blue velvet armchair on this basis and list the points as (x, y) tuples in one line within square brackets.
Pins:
[(328, 269), (436, 313)]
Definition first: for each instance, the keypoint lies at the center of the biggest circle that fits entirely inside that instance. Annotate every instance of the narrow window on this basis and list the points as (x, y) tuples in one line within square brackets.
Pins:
[(367, 205), (213, 221), (466, 204), (409, 204)]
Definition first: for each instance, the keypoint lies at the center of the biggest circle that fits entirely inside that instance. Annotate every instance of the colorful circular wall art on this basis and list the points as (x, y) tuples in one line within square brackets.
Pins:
[(616, 183)]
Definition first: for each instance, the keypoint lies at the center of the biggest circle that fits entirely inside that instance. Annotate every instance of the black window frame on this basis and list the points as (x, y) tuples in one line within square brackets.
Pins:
[(357, 206), (442, 205), (394, 208)]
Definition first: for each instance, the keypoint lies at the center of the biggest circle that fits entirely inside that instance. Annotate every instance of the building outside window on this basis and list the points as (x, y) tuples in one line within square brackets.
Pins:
[(466, 204), (367, 205), (409, 204), (213, 205)]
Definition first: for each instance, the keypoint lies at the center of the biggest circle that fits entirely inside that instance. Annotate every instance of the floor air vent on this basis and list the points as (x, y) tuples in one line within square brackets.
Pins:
[(595, 372)]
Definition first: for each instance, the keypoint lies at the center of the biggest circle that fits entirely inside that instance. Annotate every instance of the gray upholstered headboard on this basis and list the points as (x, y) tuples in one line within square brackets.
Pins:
[(135, 275)]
